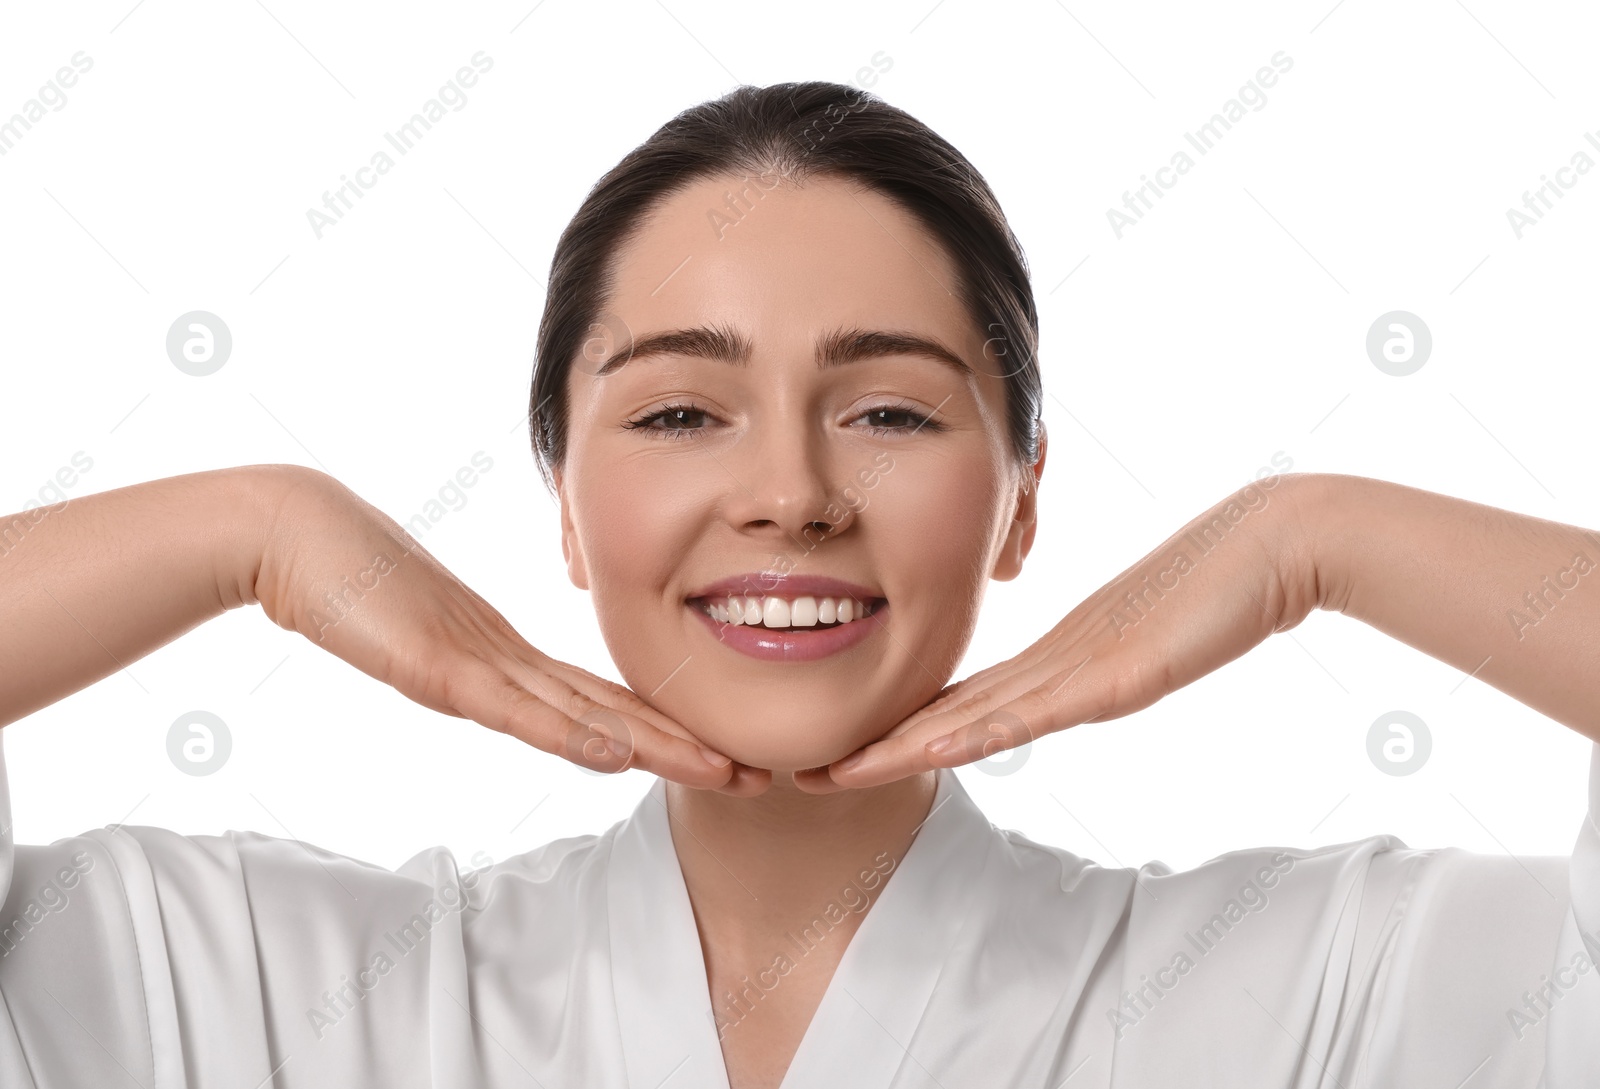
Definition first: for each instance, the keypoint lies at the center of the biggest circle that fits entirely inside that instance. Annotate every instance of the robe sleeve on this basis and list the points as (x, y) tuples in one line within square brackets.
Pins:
[(1573, 1029), (1369, 963), (136, 955), (1484, 966)]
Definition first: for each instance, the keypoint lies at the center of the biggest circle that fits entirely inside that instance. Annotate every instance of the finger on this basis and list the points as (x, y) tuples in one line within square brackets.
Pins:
[(901, 751), (954, 692), (817, 781), (997, 732), (1049, 649), (974, 698), (620, 729), (746, 782), (743, 781), (1031, 715), (564, 722), (616, 714), (911, 754), (609, 740), (1013, 711), (606, 743), (614, 695)]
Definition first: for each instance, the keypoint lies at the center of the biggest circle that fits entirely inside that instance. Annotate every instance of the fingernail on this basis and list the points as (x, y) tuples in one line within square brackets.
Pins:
[(616, 748), (852, 760), (940, 744), (715, 759)]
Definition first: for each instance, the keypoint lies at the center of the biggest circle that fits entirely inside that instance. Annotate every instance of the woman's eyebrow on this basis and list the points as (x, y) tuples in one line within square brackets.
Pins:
[(835, 348)]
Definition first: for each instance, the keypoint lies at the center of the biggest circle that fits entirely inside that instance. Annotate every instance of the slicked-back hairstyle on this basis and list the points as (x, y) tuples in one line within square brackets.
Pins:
[(796, 130)]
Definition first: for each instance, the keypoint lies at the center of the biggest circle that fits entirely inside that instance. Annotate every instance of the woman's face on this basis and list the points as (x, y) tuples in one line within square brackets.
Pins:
[(727, 460)]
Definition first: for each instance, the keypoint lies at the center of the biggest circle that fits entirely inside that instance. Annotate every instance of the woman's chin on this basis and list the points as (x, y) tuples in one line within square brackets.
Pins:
[(780, 753), (779, 731), (784, 762)]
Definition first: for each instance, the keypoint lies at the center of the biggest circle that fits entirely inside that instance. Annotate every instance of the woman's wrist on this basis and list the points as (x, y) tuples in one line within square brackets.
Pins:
[(251, 502), (1488, 591), (1308, 543)]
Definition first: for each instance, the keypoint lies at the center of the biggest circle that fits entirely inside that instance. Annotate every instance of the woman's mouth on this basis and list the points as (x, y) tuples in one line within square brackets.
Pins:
[(797, 628), (799, 613)]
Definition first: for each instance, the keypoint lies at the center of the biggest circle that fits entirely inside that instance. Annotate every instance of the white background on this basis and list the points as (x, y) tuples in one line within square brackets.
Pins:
[(1226, 326)]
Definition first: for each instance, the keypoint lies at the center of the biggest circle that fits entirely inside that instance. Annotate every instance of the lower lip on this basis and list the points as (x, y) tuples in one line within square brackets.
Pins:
[(799, 645)]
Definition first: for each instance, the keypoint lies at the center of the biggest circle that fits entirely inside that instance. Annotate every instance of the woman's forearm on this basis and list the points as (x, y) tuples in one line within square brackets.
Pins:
[(1511, 599), (93, 584)]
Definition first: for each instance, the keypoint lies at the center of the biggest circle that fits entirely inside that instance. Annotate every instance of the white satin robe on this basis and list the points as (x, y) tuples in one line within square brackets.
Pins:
[(141, 957)]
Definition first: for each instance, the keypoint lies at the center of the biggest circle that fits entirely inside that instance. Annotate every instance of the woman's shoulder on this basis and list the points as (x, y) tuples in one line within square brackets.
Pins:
[(281, 886), (1266, 863), (1295, 892), (561, 868)]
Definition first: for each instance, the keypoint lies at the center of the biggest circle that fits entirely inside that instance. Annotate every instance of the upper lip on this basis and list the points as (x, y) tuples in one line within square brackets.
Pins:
[(763, 584)]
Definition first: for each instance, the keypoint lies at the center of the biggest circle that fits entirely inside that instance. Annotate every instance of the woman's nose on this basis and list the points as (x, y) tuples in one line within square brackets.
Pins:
[(782, 479)]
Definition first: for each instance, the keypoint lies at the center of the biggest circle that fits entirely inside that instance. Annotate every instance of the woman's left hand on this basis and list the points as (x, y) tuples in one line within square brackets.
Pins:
[(1222, 584)]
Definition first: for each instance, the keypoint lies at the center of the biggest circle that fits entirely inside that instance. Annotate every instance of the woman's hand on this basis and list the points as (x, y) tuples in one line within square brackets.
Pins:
[(1223, 583), (349, 578)]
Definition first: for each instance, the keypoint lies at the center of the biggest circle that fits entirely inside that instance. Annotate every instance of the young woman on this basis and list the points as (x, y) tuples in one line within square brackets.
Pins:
[(788, 395)]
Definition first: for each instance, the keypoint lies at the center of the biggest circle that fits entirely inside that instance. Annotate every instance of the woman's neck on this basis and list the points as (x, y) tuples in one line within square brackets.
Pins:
[(780, 884), (761, 870)]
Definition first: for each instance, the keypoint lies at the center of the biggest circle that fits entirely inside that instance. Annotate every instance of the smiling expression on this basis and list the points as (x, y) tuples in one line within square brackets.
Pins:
[(787, 425)]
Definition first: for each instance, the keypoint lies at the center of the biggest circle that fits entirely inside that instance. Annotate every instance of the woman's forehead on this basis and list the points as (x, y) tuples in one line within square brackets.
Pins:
[(779, 258)]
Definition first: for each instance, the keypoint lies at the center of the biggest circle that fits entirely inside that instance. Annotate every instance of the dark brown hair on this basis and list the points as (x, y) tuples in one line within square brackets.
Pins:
[(796, 130)]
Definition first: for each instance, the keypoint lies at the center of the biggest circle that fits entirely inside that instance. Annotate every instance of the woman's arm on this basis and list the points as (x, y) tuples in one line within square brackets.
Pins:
[(93, 584), (97, 582), (1511, 599)]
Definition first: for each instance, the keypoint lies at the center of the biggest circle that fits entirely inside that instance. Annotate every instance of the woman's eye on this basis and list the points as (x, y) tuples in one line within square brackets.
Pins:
[(684, 421), (673, 422), (888, 418)]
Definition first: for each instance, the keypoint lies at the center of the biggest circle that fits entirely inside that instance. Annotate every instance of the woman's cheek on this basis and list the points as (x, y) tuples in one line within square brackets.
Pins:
[(938, 530), (933, 532)]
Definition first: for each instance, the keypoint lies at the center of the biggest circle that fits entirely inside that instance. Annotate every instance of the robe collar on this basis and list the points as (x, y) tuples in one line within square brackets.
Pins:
[(872, 1006)]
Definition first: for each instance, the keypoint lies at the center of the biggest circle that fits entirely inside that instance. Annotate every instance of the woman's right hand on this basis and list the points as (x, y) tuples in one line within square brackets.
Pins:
[(346, 576)]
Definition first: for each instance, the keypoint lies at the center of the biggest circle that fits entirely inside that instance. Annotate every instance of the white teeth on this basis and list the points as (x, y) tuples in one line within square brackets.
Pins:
[(803, 613), (777, 612)]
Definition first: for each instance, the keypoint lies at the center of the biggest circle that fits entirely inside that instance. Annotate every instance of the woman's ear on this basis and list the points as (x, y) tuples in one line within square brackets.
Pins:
[(570, 551), (1025, 521)]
